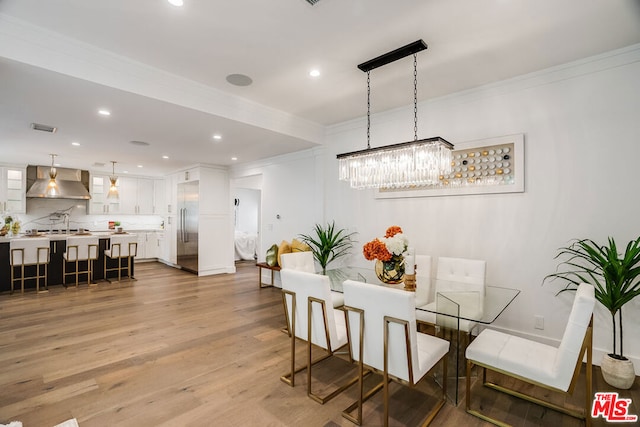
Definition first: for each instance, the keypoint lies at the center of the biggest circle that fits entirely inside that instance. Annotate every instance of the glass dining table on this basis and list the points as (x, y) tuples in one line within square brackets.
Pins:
[(453, 308)]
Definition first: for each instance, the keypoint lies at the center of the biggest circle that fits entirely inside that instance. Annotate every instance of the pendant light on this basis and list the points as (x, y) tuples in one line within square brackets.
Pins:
[(113, 179), (407, 164), (52, 187)]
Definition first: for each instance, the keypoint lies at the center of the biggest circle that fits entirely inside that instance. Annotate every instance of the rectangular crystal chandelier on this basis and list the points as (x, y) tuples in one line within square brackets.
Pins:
[(404, 165)]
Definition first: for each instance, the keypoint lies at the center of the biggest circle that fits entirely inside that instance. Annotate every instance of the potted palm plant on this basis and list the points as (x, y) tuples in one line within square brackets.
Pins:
[(328, 243), (615, 279)]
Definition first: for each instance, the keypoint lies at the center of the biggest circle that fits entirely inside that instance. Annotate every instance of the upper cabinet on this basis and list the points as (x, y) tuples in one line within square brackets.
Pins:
[(13, 182), (99, 204), (136, 196), (192, 174), (159, 197)]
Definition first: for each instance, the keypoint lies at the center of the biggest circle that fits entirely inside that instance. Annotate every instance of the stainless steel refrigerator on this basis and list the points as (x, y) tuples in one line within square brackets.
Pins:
[(187, 250)]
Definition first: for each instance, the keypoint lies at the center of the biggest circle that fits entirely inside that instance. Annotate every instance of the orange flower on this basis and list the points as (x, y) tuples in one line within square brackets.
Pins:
[(392, 231), (376, 250)]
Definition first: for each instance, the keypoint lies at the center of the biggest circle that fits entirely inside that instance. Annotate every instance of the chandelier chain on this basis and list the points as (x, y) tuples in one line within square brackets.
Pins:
[(415, 97), (368, 109)]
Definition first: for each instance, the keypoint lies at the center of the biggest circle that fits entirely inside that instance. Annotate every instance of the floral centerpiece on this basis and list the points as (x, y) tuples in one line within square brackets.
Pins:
[(388, 252)]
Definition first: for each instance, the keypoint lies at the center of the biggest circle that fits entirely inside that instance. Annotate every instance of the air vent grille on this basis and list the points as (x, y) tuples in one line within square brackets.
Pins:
[(43, 128), (312, 2)]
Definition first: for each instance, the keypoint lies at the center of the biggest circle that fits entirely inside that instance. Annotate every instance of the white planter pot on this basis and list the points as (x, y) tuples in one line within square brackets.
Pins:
[(618, 373)]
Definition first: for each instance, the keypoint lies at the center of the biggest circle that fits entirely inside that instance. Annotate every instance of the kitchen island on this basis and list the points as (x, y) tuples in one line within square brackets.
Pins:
[(57, 247)]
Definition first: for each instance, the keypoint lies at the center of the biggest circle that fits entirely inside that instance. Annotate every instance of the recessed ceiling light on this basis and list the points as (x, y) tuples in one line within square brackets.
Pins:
[(314, 73), (140, 166), (239, 79), (234, 158), (76, 144), (104, 112), (165, 157), (217, 137), (176, 2)]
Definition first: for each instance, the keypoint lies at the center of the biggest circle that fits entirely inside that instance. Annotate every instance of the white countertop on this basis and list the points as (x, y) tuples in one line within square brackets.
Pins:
[(63, 236)]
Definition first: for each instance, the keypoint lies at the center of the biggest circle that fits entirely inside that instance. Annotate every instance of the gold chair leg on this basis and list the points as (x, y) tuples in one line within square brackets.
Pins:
[(579, 415), (90, 265)]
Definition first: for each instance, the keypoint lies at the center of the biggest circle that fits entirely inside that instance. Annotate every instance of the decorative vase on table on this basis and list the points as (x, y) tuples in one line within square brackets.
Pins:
[(391, 272)]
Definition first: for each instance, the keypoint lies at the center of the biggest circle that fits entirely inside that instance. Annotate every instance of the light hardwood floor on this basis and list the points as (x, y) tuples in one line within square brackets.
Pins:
[(173, 349)]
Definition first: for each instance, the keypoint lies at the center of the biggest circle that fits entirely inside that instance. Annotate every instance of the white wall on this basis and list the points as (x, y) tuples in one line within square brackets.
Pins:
[(291, 192), (582, 145), (246, 212)]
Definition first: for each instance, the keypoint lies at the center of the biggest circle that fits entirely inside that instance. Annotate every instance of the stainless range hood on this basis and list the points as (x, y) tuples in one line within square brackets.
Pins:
[(72, 183)]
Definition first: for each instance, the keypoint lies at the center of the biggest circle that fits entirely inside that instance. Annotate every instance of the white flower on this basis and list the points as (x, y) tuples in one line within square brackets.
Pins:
[(396, 244)]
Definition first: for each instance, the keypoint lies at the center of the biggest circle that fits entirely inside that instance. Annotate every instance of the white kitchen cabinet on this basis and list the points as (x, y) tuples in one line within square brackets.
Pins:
[(141, 239), (128, 193), (169, 242), (148, 245), (171, 194), (145, 192), (192, 174), (151, 249), (159, 197), (13, 183), (136, 195), (99, 204)]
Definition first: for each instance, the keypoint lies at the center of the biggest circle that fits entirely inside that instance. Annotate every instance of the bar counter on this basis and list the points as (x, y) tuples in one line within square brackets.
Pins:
[(57, 247)]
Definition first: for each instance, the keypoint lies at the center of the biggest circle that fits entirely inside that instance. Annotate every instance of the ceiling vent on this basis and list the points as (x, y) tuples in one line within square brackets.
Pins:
[(43, 128), (312, 2), (140, 143)]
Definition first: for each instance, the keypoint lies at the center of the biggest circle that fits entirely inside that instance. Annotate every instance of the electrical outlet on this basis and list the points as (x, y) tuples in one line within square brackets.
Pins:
[(539, 322)]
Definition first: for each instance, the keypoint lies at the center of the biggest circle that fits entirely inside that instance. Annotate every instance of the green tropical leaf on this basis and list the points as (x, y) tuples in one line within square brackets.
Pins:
[(328, 244), (614, 277)]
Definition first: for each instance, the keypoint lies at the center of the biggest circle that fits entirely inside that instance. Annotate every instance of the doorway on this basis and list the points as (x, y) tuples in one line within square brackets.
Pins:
[(247, 207)]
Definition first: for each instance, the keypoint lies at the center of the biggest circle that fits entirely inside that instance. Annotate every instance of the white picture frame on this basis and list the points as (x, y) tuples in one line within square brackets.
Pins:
[(462, 186)]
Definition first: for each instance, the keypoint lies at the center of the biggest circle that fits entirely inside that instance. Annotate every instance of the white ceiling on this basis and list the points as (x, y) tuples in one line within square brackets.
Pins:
[(179, 58)]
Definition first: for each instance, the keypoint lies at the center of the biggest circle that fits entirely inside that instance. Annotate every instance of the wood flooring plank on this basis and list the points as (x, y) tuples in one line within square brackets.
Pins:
[(174, 349)]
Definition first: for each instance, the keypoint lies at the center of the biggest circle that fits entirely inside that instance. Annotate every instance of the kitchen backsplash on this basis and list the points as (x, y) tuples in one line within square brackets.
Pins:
[(50, 214)]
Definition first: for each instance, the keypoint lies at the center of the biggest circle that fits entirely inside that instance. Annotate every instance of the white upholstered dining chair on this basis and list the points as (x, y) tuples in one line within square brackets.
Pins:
[(536, 363), (423, 280), (304, 261), (311, 317), (301, 261), (460, 275), (383, 337), (29, 251)]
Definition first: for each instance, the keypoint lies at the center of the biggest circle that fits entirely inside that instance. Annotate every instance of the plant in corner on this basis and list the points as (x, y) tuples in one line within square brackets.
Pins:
[(328, 244), (615, 279)]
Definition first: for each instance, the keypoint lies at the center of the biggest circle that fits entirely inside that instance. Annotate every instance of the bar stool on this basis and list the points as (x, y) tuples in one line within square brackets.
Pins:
[(29, 251), (80, 248), (123, 246)]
